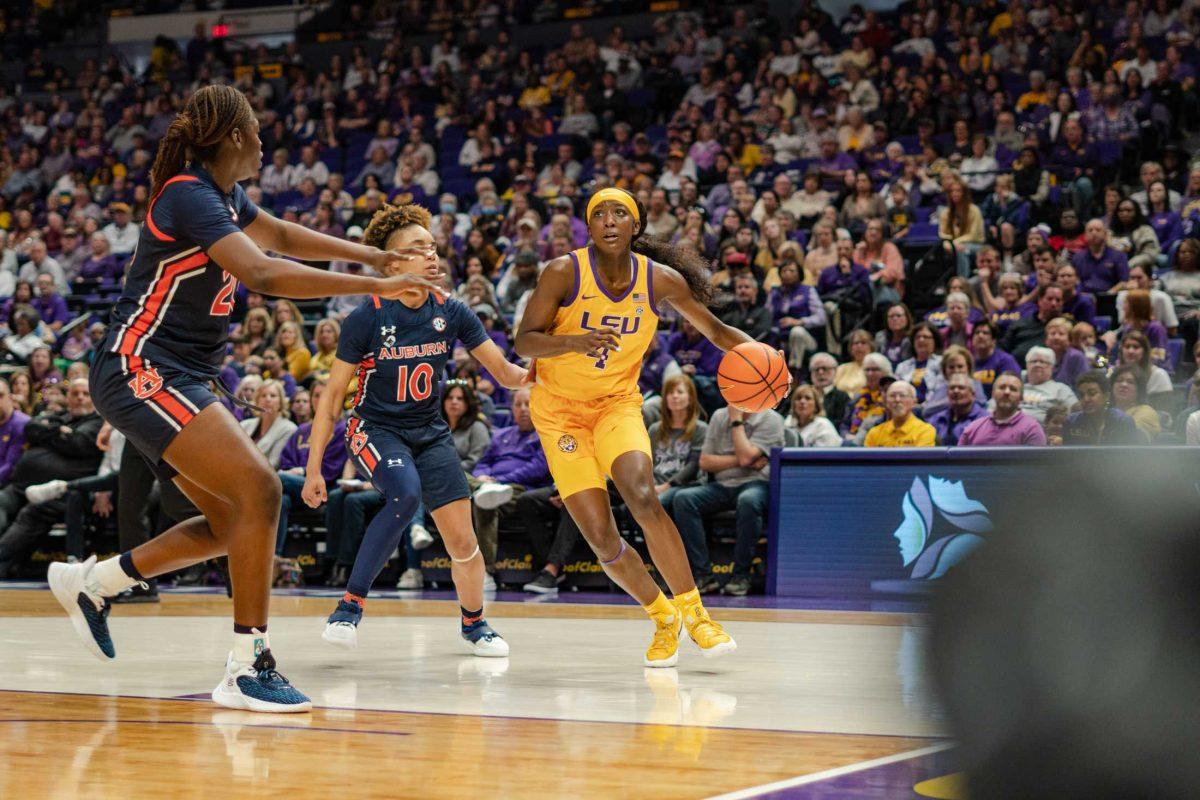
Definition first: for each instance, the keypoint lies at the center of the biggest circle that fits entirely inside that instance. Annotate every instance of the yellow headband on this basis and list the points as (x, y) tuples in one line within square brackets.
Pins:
[(616, 195)]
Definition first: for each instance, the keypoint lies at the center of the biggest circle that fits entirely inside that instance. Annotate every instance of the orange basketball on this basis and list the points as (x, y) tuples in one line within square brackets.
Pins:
[(754, 377)]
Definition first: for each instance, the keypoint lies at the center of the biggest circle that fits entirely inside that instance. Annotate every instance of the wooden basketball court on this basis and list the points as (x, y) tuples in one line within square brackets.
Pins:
[(811, 699)]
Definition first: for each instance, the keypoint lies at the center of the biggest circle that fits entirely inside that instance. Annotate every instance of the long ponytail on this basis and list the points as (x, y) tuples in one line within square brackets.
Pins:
[(692, 266), (196, 132)]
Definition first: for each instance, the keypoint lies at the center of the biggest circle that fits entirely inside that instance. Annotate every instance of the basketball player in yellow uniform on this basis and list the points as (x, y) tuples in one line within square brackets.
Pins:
[(587, 325)]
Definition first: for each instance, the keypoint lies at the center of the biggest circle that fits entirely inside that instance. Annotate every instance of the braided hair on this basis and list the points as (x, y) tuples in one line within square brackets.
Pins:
[(196, 132), (692, 266)]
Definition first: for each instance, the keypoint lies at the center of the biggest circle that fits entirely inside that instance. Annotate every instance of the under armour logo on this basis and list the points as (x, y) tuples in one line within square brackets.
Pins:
[(395, 462), (388, 330)]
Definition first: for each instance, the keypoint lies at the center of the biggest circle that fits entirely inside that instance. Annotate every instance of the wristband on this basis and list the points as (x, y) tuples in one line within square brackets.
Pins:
[(737, 424)]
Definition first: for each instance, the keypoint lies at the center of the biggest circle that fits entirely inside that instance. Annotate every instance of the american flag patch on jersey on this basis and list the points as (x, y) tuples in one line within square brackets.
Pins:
[(638, 297)]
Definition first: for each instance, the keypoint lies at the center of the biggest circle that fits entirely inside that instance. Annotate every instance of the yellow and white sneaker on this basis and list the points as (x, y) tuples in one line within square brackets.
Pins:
[(664, 648), (709, 636)]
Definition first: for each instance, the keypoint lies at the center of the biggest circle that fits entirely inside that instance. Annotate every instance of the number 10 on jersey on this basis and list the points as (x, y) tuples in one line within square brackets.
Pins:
[(417, 386)]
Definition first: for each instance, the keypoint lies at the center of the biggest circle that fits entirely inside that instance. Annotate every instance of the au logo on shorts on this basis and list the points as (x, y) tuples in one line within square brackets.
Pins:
[(439, 324), (567, 443), (146, 383)]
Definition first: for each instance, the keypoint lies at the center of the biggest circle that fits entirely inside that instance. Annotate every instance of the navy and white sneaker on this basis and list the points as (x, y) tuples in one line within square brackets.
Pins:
[(258, 687), (77, 591), (341, 629), (483, 641)]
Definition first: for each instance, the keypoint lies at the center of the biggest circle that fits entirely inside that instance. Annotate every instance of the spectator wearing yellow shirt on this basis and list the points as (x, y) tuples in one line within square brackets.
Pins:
[(325, 338), (289, 341), (902, 428), (1037, 94)]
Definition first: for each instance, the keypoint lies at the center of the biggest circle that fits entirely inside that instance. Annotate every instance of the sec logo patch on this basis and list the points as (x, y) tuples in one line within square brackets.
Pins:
[(439, 324), (567, 443)]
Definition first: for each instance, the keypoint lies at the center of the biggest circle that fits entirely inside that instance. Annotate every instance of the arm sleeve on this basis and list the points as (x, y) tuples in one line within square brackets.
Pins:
[(470, 330), (355, 339)]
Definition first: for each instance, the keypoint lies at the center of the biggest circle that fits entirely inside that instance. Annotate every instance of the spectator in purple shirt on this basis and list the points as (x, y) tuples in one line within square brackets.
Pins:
[(49, 304), (990, 362), (1081, 306), (964, 409), (294, 458), (797, 313), (101, 265), (1069, 362), (699, 359), (845, 280), (1007, 425), (1101, 269), (513, 463), (655, 364), (12, 432), (834, 164), (1074, 162)]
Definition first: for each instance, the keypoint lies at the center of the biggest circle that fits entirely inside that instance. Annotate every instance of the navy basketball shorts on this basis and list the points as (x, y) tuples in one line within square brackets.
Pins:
[(393, 457), (150, 405)]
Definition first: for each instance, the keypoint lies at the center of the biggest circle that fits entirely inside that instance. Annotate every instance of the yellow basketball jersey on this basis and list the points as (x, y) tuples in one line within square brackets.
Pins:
[(633, 315)]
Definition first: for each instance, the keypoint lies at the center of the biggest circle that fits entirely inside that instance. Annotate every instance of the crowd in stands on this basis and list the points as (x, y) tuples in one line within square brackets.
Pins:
[(965, 225)]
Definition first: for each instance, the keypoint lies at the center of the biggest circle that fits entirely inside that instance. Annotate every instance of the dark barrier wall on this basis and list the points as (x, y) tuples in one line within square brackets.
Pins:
[(864, 524)]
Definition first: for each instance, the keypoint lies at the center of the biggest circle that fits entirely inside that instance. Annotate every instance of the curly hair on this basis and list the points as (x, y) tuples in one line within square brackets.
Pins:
[(389, 219)]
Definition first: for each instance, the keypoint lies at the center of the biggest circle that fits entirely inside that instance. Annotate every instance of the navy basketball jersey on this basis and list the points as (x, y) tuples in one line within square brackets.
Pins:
[(401, 354), (175, 306)]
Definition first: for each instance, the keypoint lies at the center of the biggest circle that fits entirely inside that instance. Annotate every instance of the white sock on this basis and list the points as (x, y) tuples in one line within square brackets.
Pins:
[(110, 578), (247, 646)]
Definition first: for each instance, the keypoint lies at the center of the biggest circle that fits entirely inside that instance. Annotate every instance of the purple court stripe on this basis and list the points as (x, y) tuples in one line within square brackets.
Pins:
[(197, 697), (304, 728)]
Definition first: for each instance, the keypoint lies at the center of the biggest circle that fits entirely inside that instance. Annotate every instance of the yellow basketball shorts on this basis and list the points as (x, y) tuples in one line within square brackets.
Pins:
[(582, 438)]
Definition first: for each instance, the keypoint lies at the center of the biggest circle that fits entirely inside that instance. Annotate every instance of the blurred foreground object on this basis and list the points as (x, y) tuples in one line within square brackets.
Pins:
[(1067, 649)]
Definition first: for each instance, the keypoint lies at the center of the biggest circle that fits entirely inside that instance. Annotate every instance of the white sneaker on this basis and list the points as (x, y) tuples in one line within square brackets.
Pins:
[(341, 629), (484, 642), (493, 495), (411, 579), (421, 537), (489, 582), (79, 594), (258, 687), (45, 492)]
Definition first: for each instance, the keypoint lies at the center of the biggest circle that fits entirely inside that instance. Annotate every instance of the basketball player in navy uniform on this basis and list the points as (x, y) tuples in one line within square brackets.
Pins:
[(153, 379), (398, 349)]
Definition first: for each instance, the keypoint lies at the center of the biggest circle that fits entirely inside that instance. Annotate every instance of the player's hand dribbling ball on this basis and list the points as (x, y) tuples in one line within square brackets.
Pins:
[(754, 377)]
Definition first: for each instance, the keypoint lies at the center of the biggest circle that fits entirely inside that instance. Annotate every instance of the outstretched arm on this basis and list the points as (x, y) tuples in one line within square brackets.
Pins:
[(297, 241), (510, 375), (238, 255), (670, 286), (555, 283)]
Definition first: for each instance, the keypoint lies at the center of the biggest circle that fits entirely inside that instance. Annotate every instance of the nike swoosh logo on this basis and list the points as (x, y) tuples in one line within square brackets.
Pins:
[(590, 296)]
